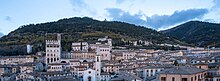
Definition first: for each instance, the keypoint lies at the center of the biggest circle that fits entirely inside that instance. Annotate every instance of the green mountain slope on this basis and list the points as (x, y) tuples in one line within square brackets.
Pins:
[(198, 33), (76, 29)]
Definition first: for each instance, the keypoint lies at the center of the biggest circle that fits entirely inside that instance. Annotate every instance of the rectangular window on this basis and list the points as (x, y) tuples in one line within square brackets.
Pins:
[(184, 79), (195, 77), (173, 79), (163, 78)]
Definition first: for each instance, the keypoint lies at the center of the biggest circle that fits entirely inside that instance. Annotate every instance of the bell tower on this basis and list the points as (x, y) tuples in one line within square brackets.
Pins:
[(98, 65)]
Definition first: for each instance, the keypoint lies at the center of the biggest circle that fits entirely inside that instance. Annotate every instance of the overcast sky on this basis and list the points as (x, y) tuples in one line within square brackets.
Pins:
[(156, 14)]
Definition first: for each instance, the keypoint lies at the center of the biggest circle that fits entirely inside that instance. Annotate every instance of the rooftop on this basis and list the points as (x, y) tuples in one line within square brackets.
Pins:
[(182, 70)]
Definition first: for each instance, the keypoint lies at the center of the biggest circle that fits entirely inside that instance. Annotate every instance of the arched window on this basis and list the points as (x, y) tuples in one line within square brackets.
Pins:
[(97, 59), (173, 79), (89, 78), (48, 60)]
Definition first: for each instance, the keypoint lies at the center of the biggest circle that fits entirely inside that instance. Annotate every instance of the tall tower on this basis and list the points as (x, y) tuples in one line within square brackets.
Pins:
[(59, 37), (29, 48), (53, 50), (98, 67), (109, 42)]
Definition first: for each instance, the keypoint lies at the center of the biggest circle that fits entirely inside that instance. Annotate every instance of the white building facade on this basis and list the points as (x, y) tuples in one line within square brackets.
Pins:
[(53, 50)]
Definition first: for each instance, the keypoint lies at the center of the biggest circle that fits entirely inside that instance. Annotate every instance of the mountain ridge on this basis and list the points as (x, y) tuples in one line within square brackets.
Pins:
[(198, 33), (78, 29)]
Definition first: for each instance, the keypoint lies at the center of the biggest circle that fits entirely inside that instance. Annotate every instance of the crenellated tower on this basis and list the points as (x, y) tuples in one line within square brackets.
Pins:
[(53, 50)]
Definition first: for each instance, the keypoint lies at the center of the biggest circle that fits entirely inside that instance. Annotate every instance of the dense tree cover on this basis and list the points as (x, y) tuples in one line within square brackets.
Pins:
[(198, 33), (77, 29)]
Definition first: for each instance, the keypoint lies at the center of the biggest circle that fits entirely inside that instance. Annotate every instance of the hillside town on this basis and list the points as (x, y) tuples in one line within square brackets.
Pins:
[(99, 61)]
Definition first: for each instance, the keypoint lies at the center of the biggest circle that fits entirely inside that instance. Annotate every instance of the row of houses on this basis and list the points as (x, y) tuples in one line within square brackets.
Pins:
[(100, 62)]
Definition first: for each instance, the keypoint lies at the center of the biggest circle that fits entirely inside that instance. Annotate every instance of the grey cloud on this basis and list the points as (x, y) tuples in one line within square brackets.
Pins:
[(119, 15), (78, 3), (156, 21), (8, 18), (216, 3), (119, 1), (80, 6), (216, 7)]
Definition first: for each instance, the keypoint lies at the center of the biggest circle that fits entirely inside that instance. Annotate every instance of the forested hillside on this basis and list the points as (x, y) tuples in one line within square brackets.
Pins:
[(196, 32), (76, 29)]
